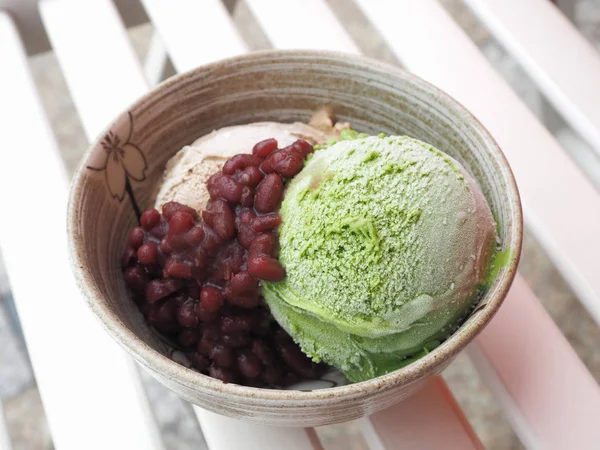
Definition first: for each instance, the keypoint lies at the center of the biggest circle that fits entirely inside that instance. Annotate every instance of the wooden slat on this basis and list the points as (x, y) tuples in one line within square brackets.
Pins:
[(301, 24), (562, 62), (552, 400), (5, 442), (561, 206), (224, 433), (195, 32), (88, 389), (156, 60), (220, 432), (431, 412), (104, 77)]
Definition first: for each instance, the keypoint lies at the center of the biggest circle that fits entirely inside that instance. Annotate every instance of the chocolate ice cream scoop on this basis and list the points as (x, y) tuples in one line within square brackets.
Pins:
[(185, 176)]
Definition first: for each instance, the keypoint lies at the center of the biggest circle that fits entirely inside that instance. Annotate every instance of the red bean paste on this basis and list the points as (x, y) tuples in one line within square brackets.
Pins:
[(197, 279)]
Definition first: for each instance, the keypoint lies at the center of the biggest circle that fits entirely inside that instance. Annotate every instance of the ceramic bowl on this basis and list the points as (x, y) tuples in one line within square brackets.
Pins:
[(120, 171)]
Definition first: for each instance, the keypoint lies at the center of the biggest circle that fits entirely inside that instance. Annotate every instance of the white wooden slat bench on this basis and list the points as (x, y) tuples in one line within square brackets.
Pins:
[(549, 396)]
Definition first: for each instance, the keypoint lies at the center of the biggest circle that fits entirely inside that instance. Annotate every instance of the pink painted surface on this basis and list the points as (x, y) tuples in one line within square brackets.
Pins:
[(551, 388), (430, 419)]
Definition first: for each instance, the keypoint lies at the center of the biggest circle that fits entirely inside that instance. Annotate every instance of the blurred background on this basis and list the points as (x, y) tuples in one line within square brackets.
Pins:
[(18, 391)]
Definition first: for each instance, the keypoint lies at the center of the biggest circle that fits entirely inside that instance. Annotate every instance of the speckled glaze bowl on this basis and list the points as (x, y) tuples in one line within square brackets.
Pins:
[(120, 171)]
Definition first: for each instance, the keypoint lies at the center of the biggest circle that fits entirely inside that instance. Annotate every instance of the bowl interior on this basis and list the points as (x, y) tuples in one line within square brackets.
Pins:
[(279, 86)]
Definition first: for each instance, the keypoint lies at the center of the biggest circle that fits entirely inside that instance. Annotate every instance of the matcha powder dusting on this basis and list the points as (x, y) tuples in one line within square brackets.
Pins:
[(384, 241)]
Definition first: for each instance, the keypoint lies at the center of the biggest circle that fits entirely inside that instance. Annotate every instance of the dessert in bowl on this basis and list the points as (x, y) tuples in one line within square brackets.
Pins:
[(388, 249)]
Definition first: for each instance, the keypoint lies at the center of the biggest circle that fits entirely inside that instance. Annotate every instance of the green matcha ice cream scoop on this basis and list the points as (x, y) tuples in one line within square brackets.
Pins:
[(385, 241)]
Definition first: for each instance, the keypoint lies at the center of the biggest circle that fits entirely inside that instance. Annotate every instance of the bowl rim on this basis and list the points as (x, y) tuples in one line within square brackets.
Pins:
[(179, 374)]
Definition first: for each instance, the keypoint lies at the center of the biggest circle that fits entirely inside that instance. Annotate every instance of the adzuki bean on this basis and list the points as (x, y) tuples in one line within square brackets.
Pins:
[(150, 219), (196, 277), (211, 299), (265, 223), (265, 148), (268, 194)]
